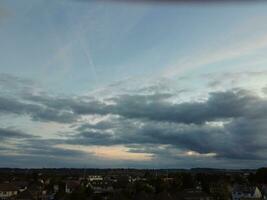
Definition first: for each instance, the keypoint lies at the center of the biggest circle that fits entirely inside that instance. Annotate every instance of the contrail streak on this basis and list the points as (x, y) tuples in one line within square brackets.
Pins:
[(177, 1)]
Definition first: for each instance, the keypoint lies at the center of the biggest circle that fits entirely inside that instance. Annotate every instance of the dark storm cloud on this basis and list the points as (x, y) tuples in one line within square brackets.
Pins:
[(38, 152), (194, 137), (47, 148), (37, 112), (146, 121), (157, 107), (14, 94), (239, 139), (243, 136), (44, 153), (219, 106), (9, 133), (153, 119), (102, 125), (77, 105), (39, 161)]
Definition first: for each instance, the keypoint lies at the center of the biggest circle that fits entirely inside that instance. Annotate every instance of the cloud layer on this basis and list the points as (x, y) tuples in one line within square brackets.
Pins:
[(225, 128)]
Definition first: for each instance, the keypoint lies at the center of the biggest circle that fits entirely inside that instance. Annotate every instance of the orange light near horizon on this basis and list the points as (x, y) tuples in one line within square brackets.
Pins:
[(116, 152)]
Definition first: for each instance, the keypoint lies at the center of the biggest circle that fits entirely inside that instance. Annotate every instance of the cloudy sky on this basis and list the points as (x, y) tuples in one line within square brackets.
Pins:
[(149, 84)]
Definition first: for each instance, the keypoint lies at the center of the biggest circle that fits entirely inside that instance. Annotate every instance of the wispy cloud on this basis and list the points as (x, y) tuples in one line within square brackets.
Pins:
[(178, 1), (211, 57), (228, 49)]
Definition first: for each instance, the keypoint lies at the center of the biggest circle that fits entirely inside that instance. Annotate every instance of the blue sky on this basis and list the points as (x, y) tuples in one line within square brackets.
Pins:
[(89, 63), (65, 42)]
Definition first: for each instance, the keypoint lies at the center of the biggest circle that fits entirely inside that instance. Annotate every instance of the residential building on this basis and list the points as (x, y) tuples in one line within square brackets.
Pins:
[(246, 192), (7, 190)]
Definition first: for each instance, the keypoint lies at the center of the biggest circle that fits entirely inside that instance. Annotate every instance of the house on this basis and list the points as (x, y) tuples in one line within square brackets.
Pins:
[(7, 190), (246, 192), (100, 187), (95, 178)]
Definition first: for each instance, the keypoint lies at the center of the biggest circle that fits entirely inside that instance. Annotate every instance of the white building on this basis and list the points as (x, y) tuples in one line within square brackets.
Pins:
[(95, 178), (245, 192), (7, 190)]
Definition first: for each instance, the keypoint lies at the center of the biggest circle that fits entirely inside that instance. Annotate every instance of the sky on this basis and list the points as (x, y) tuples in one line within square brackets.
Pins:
[(133, 84)]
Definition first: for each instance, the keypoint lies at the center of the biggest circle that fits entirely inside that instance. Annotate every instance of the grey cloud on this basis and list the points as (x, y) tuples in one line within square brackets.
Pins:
[(40, 152), (157, 107), (264, 90), (144, 121), (9, 133), (78, 105), (10, 105), (45, 149), (15, 98), (43, 153), (49, 114), (39, 161), (220, 105), (9, 81), (102, 125), (243, 137), (37, 112), (13, 86), (192, 137)]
